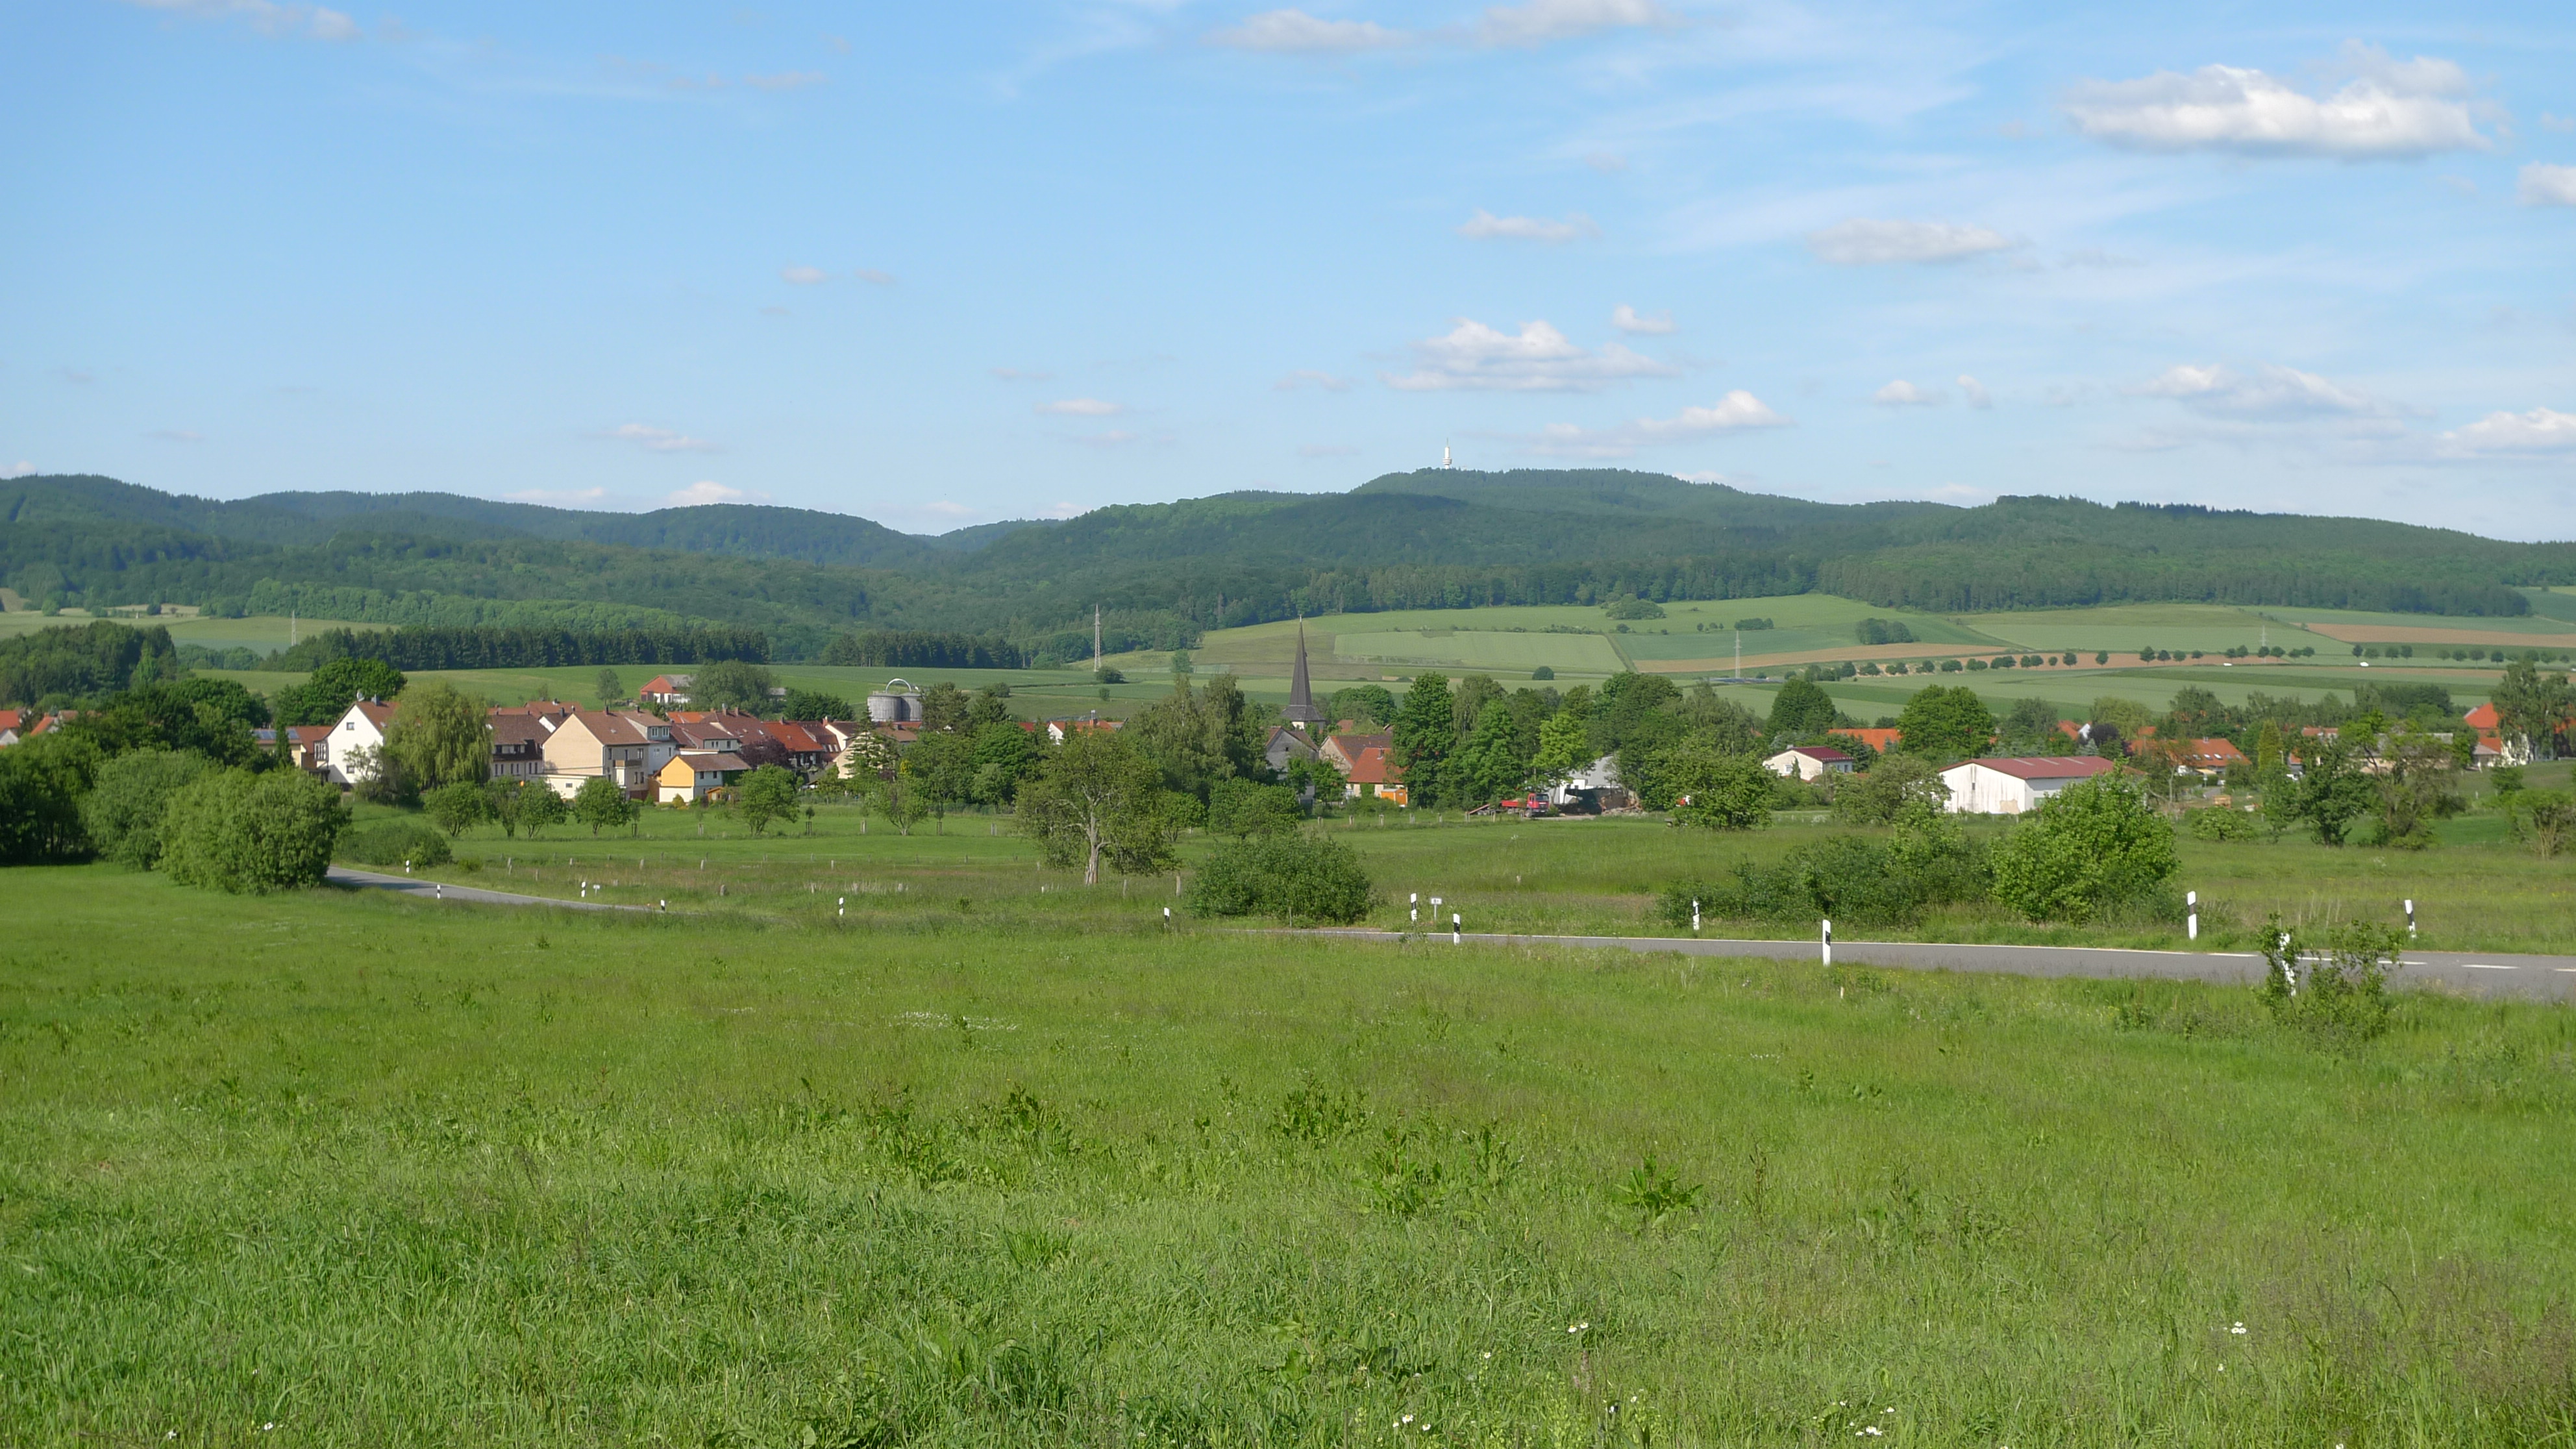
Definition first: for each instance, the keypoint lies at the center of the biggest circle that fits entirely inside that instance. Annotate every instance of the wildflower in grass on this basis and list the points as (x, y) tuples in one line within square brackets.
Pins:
[(2237, 1328)]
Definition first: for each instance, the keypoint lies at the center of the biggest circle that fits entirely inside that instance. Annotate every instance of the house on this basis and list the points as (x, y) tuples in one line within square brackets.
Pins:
[(1285, 744), (518, 744), (1342, 750), (1374, 775), (2485, 720), (1998, 786), (1592, 789), (704, 733), (665, 689), (355, 741), (621, 745), (691, 775), (2486, 754), (803, 749), (2211, 756), (12, 723), (1057, 729), (1881, 740), (1810, 762), (309, 748)]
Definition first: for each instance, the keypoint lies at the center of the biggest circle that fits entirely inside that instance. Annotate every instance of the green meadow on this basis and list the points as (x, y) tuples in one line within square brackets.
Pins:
[(356, 1170), (1564, 876)]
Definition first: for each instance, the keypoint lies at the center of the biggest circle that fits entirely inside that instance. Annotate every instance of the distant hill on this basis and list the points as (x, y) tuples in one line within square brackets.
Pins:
[(1433, 538)]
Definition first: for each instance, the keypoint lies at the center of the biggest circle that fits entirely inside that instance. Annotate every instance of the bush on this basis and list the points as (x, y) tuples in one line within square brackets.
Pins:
[(2096, 845), (1847, 878), (125, 809), (1297, 877), (241, 833), (41, 784), (458, 806), (390, 845), (768, 794), (2341, 997), (2218, 823), (1717, 790), (1239, 807), (1633, 607)]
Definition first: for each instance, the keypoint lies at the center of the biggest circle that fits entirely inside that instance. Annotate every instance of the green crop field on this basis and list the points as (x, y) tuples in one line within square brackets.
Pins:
[(356, 1170), (259, 632)]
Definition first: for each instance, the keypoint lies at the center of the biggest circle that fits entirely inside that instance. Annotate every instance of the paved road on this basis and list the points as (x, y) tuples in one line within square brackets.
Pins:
[(2536, 978), (434, 890)]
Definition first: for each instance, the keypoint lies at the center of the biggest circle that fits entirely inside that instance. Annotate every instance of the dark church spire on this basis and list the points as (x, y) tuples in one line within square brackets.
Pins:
[(1301, 691)]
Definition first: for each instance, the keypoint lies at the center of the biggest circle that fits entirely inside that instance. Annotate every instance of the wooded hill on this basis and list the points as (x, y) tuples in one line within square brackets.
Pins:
[(1166, 572)]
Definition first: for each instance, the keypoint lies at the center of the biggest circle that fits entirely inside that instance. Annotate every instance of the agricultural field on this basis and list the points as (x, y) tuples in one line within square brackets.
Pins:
[(359, 1170), (259, 632)]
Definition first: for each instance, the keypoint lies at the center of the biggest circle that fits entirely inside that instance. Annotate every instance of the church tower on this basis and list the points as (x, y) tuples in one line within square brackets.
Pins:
[(1301, 690)]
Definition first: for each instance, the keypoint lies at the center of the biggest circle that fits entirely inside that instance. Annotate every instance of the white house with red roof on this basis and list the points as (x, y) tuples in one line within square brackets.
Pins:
[(666, 689), (1811, 762), (357, 739), (1372, 773), (2017, 785)]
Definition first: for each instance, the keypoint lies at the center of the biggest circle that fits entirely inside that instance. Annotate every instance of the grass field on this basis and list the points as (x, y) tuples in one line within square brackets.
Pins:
[(364, 1171), (1564, 876)]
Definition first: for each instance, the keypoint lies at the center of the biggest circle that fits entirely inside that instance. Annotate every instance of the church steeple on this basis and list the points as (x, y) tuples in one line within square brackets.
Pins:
[(1301, 690)]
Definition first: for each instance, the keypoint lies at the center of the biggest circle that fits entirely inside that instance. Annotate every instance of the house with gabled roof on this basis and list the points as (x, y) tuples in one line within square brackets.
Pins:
[(621, 745), (1374, 774), (1811, 762), (356, 742), (2019, 784)]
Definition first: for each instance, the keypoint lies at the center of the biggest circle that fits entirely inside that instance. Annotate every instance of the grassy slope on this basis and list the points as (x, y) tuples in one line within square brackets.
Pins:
[(379, 1171)]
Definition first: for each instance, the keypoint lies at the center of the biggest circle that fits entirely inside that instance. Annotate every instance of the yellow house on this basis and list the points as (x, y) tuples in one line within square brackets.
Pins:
[(690, 774)]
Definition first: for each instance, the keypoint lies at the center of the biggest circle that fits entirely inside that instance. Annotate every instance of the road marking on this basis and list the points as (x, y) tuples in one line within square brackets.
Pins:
[(2564, 970), (2482, 966)]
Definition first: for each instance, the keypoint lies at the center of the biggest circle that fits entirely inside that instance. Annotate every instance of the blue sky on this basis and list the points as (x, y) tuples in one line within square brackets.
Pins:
[(938, 265)]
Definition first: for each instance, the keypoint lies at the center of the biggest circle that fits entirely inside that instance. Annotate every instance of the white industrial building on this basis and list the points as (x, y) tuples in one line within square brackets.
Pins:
[(2016, 786)]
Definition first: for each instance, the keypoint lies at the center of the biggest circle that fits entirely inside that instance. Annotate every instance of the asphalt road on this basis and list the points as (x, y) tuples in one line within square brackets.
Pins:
[(434, 890), (2530, 978)]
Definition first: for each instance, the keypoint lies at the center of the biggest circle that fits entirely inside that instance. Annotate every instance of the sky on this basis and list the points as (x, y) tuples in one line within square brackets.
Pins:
[(941, 265)]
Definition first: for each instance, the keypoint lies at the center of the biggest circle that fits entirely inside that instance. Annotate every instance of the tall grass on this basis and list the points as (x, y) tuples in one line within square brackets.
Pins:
[(383, 1172)]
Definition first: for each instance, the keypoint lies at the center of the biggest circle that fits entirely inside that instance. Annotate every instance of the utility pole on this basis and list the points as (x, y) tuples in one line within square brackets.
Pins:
[(1095, 639)]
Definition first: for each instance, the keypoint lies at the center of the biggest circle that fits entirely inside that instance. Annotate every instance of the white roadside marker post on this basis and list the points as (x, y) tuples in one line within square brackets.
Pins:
[(1414, 900), (1829, 943), (1694, 918), (2191, 928), (2410, 920), (1455, 939)]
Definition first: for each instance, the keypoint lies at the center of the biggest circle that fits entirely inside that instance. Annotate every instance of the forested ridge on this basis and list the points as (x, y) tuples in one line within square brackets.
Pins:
[(1164, 573)]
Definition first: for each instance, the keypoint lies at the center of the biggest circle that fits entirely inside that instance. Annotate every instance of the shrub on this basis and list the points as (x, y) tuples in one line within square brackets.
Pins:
[(602, 801), (2096, 845), (768, 794), (1238, 807), (2341, 996), (457, 806), (1849, 878), (41, 784), (2219, 823), (251, 834), (393, 843), (1298, 877), (1716, 790), (1888, 788), (1633, 607), (124, 811)]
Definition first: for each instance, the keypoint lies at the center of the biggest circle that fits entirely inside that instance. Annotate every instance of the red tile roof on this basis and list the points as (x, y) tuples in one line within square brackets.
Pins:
[(1373, 768), (1881, 740), (1826, 753)]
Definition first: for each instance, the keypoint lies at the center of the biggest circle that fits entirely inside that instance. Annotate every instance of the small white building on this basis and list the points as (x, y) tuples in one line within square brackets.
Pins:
[(1811, 762), (1594, 787), (2017, 785)]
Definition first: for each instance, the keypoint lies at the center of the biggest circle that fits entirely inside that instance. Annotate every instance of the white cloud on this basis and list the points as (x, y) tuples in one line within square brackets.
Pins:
[(947, 509), (1975, 392), (1115, 438), (788, 80), (660, 440), (19, 469), (1541, 21), (1528, 228), (319, 22), (1606, 162), (1735, 412), (2389, 109), (1903, 394), (2270, 394), (1537, 359), (2549, 122), (1294, 32), (1626, 319), (1861, 242), (707, 490), (2541, 430), (1082, 407), (1065, 510), (2546, 185), (804, 276), (1309, 377), (873, 277)]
